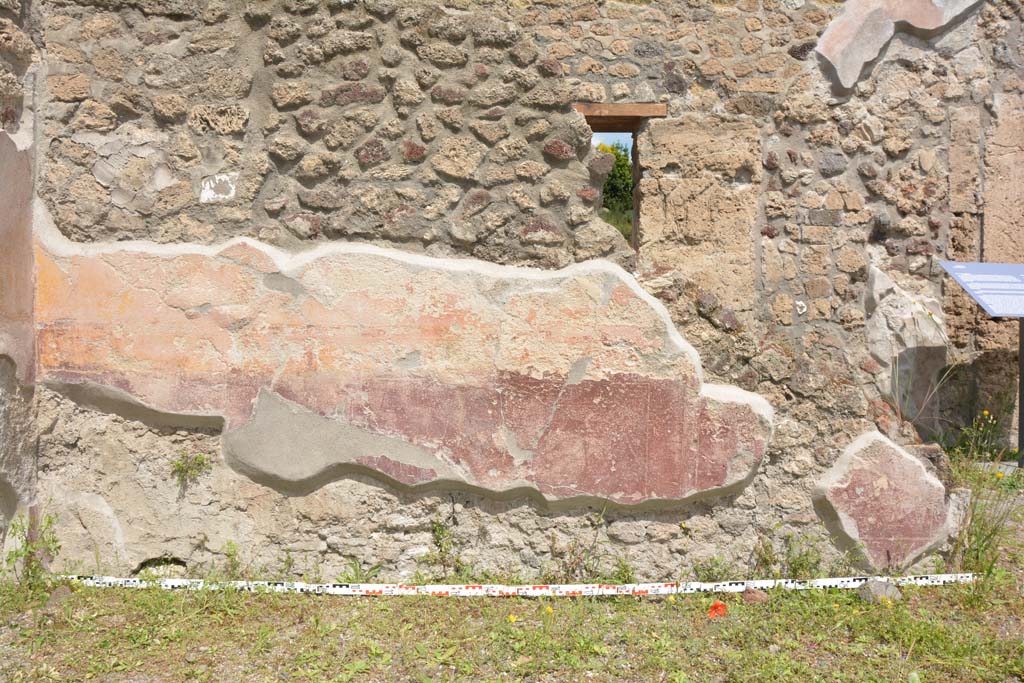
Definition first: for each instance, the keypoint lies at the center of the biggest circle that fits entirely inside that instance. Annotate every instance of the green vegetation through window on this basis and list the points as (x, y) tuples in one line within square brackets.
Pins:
[(617, 198)]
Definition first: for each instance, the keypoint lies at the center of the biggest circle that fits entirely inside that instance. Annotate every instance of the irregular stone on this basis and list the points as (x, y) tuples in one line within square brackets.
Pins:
[(413, 152), (489, 132), (92, 115), (352, 93), (458, 157), (491, 95), (858, 35), (559, 150), (371, 153), (550, 96), (407, 92), (397, 383), (448, 94), (290, 95), (443, 55), (341, 133), (228, 83), (832, 164), (964, 159), (354, 70), (230, 119), (287, 147), (882, 500), (345, 42), (71, 88), (877, 591)]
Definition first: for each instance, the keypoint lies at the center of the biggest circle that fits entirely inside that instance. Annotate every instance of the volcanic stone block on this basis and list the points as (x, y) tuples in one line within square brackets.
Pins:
[(699, 202), (881, 498), (569, 384)]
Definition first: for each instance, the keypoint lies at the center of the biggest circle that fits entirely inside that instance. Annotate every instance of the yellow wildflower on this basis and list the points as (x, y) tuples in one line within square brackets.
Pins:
[(549, 610), (999, 475), (512, 618), (985, 413), (672, 599)]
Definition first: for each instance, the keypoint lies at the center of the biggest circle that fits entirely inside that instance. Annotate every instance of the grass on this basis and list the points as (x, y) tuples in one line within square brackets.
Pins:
[(954, 634), (950, 634), (622, 221)]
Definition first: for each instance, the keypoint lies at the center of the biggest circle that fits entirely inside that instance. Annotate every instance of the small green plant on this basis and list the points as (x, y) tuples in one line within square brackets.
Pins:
[(980, 440), (802, 557), (765, 560), (35, 545), (577, 561), (446, 549), (188, 467), (232, 561), (993, 495), (1014, 481), (355, 573), (286, 564), (623, 572), (987, 521), (714, 569)]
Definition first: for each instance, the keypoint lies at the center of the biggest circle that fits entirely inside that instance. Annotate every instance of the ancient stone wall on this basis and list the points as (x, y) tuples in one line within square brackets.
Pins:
[(294, 236)]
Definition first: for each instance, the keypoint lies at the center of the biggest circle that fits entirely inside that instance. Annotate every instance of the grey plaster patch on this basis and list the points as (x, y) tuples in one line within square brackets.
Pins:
[(282, 283), (296, 451)]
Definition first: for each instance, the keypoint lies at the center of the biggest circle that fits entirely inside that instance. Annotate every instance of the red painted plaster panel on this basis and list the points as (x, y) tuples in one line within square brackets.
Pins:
[(884, 499), (572, 383)]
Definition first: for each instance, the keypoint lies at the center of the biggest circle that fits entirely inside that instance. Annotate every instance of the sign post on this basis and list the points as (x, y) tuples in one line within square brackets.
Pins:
[(999, 289)]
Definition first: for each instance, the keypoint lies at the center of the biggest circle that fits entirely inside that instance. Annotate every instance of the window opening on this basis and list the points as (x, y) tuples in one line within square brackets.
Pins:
[(616, 126)]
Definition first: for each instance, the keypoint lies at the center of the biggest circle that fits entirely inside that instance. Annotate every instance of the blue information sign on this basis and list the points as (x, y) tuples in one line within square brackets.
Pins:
[(997, 287)]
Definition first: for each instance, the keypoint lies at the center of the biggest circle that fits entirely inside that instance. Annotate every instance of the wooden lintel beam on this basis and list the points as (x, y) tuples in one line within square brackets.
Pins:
[(620, 118)]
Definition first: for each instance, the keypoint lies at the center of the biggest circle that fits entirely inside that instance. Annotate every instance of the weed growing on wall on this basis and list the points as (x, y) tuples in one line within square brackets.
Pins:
[(987, 521), (578, 560), (187, 468), (446, 549), (34, 547), (356, 573), (714, 569), (982, 439)]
